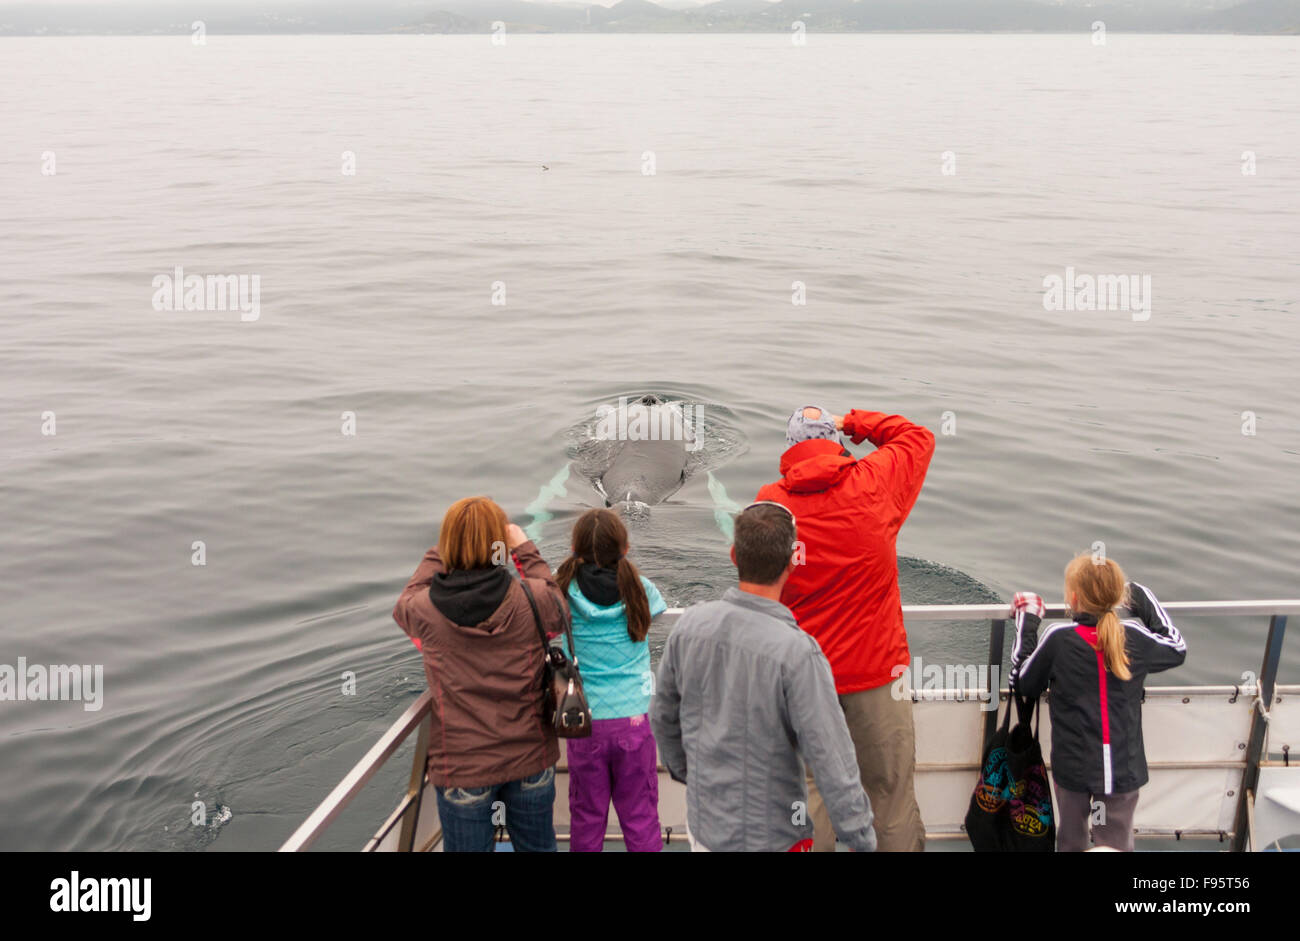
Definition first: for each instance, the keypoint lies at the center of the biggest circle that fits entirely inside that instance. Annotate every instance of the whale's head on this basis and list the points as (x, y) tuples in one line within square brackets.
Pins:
[(633, 496), (635, 510), (648, 458)]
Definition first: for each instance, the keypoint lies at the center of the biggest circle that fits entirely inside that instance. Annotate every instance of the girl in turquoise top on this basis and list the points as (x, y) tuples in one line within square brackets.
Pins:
[(612, 606)]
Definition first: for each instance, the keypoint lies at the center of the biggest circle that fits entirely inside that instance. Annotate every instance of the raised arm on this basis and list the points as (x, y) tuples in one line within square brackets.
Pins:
[(1031, 655), (430, 566), (822, 735), (1027, 611), (552, 606), (902, 455), (1165, 647)]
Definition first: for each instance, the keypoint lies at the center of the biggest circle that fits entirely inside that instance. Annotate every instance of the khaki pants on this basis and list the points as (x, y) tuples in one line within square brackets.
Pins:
[(885, 742), (1074, 813)]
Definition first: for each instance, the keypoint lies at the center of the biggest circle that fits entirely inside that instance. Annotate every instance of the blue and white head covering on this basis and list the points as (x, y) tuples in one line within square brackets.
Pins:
[(800, 428)]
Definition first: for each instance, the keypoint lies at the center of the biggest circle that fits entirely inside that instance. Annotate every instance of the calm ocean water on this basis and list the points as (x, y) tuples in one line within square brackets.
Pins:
[(772, 164)]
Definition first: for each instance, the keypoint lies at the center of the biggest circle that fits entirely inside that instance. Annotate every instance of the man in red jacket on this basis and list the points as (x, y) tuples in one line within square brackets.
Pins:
[(849, 512)]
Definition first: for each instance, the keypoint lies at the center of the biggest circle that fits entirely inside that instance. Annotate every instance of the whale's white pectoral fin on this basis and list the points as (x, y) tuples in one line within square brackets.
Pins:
[(537, 509), (724, 508)]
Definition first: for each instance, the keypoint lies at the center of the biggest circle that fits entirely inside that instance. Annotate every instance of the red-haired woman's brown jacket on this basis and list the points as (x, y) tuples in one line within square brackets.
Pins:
[(486, 678)]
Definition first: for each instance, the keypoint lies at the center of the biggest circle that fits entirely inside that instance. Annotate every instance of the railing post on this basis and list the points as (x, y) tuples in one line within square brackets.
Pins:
[(415, 789), (1258, 730), (997, 632)]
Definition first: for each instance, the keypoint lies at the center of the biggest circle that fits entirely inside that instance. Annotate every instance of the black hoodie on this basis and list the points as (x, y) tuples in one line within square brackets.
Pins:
[(469, 596), (600, 585)]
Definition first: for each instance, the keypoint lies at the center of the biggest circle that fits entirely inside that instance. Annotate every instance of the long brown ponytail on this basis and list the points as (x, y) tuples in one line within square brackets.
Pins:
[(1099, 587), (599, 537)]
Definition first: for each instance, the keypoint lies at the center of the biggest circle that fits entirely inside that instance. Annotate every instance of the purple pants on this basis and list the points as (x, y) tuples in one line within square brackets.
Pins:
[(618, 762)]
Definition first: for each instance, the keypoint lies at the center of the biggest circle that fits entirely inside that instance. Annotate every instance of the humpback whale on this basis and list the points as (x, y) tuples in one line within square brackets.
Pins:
[(654, 440)]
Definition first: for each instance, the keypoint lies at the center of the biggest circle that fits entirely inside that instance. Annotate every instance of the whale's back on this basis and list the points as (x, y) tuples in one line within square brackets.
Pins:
[(645, 472)]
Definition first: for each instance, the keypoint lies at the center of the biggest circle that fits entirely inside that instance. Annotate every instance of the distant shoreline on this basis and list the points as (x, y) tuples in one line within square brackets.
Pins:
[(793, 18), (398, 33)]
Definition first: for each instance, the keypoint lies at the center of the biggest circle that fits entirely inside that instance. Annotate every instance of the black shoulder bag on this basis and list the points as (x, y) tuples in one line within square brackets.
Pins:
[(1011, 808), (566, 708), (988, 822), (1033, 824)]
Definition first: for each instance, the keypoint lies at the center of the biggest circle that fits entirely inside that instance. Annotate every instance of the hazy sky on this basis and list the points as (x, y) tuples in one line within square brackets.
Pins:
[(195, 7), (195, 4)]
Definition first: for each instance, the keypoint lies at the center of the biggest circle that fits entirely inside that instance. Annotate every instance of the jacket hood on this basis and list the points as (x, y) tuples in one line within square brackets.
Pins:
[(600, 585), (814, 465), (585, 609), (468, 597)]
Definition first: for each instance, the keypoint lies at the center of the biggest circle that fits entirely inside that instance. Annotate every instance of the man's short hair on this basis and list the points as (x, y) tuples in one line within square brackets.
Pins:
[(764, 543)]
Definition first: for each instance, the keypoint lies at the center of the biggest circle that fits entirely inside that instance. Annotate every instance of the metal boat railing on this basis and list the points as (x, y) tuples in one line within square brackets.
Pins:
[(416, 717)]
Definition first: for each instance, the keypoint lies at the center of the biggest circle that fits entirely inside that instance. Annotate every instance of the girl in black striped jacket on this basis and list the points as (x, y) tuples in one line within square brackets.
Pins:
[(1095, 666)]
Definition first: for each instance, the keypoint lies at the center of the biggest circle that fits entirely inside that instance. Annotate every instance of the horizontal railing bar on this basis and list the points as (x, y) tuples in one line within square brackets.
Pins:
[(356, 779), (939, 834), (924, 613), (957, 694), (564, 837), (1208, 690), (937, 767), (393, 820), (1170, 832)]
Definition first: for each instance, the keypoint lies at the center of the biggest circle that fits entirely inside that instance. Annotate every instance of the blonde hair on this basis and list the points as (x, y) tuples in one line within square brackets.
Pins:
[(1098, 587), (473, 531)]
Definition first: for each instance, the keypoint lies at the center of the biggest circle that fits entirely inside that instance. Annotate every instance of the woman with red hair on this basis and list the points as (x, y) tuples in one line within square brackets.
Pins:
[(483, 658)]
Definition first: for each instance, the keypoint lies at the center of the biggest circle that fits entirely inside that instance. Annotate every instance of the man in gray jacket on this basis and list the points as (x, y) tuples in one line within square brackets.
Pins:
[(743, 698)]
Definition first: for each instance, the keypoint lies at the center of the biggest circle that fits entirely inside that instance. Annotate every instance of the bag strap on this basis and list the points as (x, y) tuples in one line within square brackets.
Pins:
[(537, 616), (1024, 708), (1028, 711), (541, 631), (1006, 718), (567, 621)]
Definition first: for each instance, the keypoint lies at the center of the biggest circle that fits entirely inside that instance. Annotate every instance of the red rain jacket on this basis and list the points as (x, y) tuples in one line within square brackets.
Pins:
[(849, 512)]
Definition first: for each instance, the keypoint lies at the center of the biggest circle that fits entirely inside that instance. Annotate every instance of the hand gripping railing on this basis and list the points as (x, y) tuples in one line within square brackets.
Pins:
[(416, 716)]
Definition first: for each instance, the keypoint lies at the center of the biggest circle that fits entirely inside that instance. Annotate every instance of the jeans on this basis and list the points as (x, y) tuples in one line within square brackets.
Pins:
[(470, 815)]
